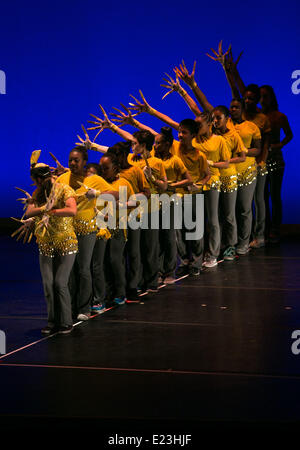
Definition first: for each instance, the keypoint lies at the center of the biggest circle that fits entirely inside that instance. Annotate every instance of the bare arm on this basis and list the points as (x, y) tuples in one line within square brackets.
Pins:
[(174, 86), (145, 107), (255, 148), (189, 79)]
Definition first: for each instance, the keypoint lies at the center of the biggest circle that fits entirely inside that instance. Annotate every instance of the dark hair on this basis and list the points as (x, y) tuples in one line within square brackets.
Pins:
[(236, 99), (274, 103), (145, 137), (167, 134), (114, 159), (81, 150), (255, 90), (95, 166), (121, 150), (190, 124), (223, 109), (42, 172)]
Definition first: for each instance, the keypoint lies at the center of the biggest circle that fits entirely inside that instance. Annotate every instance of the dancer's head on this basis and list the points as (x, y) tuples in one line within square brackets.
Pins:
[(144, 141), (109, 167), (220, 115), (77, 160), (163, 142), (251, 98), (236, 109), (121, 151), (92, 169), (204, 122), (187, 130), (268, 99)]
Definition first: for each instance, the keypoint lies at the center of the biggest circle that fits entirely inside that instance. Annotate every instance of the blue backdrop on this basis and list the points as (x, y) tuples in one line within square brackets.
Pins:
[(60, 59)]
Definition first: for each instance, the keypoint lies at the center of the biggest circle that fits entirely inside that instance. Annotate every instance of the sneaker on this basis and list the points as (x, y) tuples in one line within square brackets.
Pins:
[(243, 250), (119, 300), (210, 261), (99, 308), (49, 330), (65, 330), (257, 243), (229, 254), (169, 280), (84, 316)]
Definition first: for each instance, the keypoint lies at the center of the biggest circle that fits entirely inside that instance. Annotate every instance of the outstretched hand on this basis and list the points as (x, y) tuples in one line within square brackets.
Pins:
[(140, 106), (172, 85), (219, 56), (101, 124), (183, 73), (25, 230), (122, 118)]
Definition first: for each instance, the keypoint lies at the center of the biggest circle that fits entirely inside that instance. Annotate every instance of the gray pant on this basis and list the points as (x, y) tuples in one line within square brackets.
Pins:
[(260, 207), (133, 252), (55, 275), (228, 218), (190, 251), (81, 277), (99, 287), (244, 213), (211, 201), (167, 245), (115, 265), (149, 255)]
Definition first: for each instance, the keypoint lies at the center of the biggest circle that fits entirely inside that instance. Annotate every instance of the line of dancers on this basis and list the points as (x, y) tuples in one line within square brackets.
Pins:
[(229, 156)]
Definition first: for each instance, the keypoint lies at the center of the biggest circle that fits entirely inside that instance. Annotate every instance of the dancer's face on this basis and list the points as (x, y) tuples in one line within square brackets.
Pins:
[(265, 98), (185, 136), (235, 110), (136, 146), (250, 101), (108, 170), (161, 146), (204, 127), (219, 120), (76, 163), (91, 171)]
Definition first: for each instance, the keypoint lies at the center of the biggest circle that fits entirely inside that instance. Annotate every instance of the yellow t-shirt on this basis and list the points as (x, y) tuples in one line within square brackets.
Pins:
[(158, 171), (85, 219), (136, 178), (264, 125), (59, 238), (175, 170), (248, 131), (216, 150), (228, 176)]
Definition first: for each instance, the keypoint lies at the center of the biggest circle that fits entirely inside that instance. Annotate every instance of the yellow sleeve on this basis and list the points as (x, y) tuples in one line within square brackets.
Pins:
[(180, 166)]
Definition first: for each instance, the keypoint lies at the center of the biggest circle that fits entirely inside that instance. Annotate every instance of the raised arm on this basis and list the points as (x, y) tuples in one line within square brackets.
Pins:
[(107, 123), (128, 119), (174, 86), (229, 66), (189, 79), (143, 106)]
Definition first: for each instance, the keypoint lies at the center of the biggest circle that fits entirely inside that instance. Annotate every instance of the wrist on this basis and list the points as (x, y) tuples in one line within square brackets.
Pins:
[(113, 127)]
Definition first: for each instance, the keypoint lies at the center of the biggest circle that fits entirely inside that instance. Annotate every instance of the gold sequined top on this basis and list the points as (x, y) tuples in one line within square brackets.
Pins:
[(59, 237), (85, 219)]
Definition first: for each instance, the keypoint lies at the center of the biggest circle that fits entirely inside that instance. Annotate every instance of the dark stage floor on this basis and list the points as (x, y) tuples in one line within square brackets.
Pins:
[(212, 352)]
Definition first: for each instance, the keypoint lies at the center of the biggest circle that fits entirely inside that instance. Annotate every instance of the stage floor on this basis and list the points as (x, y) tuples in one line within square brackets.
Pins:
[(210, 352)]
